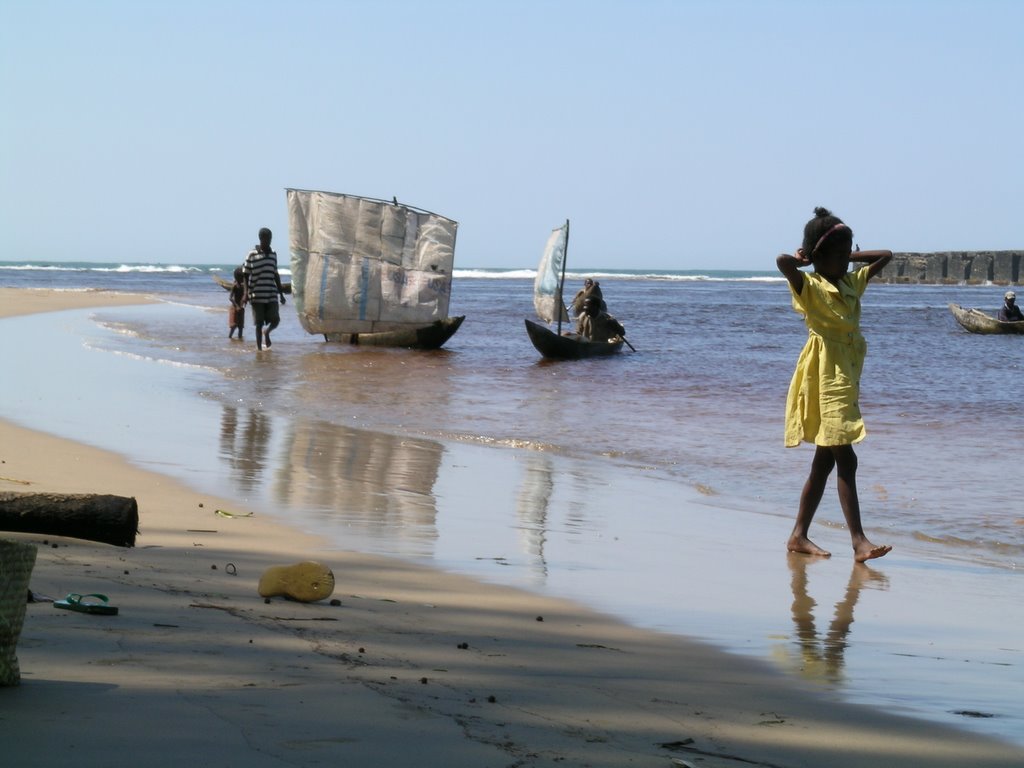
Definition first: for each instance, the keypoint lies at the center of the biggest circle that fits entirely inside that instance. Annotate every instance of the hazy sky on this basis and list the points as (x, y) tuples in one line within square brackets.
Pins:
[(673, 135)]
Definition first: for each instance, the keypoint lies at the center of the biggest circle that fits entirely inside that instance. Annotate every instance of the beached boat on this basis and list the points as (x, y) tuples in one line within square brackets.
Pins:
[(548, 303), (371, 272), (976, 321)]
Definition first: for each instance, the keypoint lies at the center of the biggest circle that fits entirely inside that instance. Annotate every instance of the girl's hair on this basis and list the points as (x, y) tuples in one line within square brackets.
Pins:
[(825, 230)]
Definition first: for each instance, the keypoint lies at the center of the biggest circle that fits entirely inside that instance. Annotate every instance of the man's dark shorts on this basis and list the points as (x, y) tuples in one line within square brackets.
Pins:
[(265, 312)]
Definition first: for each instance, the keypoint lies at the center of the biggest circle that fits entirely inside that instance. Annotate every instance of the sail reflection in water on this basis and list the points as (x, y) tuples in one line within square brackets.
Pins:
[(532, 511), (371, 484), (244, 446), (366, 482)]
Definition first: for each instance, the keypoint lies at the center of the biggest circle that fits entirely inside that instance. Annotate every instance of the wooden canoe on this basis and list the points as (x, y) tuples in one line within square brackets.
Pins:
[(976, 321), (431, 336), (570, 347)]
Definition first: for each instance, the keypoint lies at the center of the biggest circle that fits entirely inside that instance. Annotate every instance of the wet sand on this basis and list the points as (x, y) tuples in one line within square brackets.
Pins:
[(414, 665)]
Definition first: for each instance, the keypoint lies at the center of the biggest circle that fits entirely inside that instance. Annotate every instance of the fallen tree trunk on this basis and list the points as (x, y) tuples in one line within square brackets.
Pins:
[(90, 516)]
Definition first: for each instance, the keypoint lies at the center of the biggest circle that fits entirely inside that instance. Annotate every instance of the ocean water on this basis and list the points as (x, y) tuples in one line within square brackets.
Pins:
[(700, 401), (388, 450)]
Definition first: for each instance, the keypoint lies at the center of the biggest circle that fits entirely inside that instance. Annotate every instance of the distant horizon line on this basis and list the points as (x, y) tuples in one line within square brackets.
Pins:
[(116, 265)]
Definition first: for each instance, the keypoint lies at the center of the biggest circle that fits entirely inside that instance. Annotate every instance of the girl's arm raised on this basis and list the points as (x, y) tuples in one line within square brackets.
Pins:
[(876, 260), (790, 267)]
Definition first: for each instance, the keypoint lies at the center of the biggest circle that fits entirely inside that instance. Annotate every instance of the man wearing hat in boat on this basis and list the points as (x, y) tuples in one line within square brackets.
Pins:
[(590, 288), (1010, 312), (596, 324)]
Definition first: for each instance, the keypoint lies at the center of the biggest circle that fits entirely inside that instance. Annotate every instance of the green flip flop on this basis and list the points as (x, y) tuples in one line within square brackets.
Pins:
[(91, 603)]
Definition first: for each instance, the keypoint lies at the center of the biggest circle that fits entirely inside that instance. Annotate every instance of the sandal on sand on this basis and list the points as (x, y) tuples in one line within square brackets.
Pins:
[(306, 582), (91, 603)]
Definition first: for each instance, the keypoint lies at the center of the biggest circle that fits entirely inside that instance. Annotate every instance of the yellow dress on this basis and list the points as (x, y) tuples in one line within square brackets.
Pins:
[(823, 403)]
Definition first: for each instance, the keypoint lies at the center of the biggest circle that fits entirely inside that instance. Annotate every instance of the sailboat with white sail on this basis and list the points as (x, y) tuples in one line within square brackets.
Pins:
[(548, 287), (371, 272)]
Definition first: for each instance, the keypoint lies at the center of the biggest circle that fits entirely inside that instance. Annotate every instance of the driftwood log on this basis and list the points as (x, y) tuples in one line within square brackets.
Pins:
[(90, 516)]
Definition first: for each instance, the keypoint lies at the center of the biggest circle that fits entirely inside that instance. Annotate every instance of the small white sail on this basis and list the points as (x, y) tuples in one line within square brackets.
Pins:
[(547, 287), (361, 265)]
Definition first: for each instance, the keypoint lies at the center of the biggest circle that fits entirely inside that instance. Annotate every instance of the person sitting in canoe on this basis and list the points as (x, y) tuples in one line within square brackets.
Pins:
[(595, 324), (1010, 312), (590, 288)]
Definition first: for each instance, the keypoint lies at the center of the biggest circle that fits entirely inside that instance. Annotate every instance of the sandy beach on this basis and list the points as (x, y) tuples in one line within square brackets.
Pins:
[(413, 666)]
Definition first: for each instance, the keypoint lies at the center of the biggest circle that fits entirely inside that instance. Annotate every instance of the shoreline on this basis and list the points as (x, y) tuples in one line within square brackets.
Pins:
[(195, 650)]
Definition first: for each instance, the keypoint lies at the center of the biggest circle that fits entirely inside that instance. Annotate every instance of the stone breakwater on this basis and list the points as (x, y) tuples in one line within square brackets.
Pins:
[(955, 267)]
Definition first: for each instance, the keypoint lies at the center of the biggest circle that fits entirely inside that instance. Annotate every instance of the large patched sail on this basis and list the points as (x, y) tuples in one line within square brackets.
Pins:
[(361, 265)]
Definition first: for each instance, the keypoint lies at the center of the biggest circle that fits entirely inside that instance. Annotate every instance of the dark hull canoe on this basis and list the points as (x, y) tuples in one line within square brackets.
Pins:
[(573, 347), (976, 321), (431, 336)]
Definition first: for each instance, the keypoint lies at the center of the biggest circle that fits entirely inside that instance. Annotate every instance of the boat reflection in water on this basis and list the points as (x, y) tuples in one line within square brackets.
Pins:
[(369, 484), (532, 504), (244, 445)]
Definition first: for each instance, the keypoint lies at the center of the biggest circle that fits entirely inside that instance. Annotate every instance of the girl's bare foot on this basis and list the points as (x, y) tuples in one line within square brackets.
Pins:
[(805, 546), (868, 551)]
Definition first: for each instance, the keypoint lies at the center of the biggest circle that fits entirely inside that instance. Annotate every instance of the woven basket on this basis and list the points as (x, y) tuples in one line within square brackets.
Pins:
[(16, 562)]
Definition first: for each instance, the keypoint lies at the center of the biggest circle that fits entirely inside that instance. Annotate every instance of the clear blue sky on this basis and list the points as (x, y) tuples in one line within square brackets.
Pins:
[(673, 135)]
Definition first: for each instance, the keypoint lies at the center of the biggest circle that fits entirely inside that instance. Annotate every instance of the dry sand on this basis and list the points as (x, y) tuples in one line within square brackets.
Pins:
[(414, 667)]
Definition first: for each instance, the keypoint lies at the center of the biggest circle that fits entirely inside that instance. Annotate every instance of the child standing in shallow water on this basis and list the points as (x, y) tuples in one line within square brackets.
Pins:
[(823, 402), (236, 313)]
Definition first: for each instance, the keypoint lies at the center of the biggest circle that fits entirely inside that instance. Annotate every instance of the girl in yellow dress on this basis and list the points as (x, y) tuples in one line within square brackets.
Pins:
[(823, 402)]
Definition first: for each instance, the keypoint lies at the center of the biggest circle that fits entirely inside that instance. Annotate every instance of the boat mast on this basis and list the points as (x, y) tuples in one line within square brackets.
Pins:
[(561, 282)]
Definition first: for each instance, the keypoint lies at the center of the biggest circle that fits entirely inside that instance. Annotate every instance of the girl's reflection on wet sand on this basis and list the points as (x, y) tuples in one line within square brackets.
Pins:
[(821, 658)]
